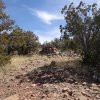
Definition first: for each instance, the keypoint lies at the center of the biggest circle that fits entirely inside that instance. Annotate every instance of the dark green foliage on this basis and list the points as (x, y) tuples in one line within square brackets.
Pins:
[(4, 59), (58, 43), (92, 56), (5, 25), (64, 44), (83, 23), (14, 39), (23, 42)]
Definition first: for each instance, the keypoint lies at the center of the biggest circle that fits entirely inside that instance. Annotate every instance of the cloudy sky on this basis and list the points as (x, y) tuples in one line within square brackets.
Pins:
[(43, 17)]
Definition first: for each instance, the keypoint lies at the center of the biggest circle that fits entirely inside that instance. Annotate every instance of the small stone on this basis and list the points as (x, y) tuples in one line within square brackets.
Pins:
[(22, 69), (45, 85), (98, 97), (28, 80), (27, 87), (74, 90), (18, 76), (76, 83), (45, 59), (84, 84), (8, 86), (87, 89), (11, 79), (65, 89), (65, 95), (85, 94), (70, 93), (99, 86), (43, 96), (33, 85), (93, 85), (53, 63), (32, 95)]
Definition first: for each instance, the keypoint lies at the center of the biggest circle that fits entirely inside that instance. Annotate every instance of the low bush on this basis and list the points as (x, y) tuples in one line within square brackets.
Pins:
[(4, 59)]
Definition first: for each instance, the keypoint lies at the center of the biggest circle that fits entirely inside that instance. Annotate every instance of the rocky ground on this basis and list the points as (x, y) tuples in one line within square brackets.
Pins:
[(47, 78)]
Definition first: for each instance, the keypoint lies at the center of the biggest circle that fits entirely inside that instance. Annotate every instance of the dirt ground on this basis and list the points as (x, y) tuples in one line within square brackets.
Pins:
[(46, 78)]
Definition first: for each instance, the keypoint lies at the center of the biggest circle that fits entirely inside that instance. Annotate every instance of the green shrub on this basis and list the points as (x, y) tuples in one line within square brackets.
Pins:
[(4, 60), (85, 28)]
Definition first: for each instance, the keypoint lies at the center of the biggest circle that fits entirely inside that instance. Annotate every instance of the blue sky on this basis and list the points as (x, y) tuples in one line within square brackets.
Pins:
[(43, 17)]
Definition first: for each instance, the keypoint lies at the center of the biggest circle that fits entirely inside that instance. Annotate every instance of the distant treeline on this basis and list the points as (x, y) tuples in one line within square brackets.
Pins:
[(13, 39), (19, 41)]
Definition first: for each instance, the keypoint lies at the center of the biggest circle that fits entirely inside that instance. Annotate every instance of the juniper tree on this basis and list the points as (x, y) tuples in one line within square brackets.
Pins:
[(83, 23), (6, 25)]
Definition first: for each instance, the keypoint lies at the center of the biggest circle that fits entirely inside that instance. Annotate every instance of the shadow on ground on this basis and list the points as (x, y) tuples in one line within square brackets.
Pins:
[(69, 72)]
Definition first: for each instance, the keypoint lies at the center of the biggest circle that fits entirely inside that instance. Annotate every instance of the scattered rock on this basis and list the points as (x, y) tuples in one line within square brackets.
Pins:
[(12, 79), (23, 69), (98, 97), (18, 76), (68, 89), (65, 90), (21, 81), (70, 93), (32, 95), (53, 63), (87, 89), (99, 86), (8, 86), (76, 83), (43, 96), (65, 95), (93, 85), (71, 81), (33, 85), (86, 94), (27, 87), (28, 80), (84, 84)]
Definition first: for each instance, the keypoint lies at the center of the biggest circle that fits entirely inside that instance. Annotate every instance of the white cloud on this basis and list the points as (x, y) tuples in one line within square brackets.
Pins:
[(45, 16), (48, 35)]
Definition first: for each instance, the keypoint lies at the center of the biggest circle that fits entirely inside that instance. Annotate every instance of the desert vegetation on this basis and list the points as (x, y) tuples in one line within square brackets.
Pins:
[(13, 39), (85, 28), (64, 68)]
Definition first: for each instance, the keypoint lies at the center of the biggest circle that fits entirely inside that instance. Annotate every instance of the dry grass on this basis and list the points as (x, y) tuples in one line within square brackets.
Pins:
[(19, 62)]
